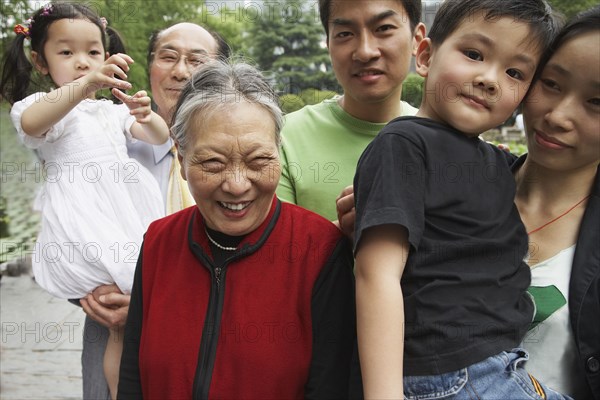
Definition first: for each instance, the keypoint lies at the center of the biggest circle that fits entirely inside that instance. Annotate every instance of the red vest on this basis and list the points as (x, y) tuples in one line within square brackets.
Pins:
[(254, 327)]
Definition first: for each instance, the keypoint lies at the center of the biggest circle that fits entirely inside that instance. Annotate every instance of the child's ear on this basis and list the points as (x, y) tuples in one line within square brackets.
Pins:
[(39, 63), (423, 57)]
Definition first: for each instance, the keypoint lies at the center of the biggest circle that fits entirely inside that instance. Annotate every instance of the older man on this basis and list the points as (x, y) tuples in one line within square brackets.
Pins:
[(173, 55)]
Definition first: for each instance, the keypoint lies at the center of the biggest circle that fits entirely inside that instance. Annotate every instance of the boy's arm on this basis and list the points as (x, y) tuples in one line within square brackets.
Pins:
[(50, 108), (380, 262), (148, 126)]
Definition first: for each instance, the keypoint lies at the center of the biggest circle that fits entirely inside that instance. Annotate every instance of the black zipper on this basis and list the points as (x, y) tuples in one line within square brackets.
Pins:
[(212, 323), (210, 335), (218, 277)]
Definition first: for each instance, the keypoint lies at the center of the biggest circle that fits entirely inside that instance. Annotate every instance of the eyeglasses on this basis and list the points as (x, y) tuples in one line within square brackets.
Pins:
[(168, 58)]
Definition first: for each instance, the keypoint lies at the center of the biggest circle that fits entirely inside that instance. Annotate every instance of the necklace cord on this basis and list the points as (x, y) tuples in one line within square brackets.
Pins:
[(559, 217)]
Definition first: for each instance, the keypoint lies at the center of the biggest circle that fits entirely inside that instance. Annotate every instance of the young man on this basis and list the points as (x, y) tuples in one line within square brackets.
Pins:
[(371, 43), (441, 284)]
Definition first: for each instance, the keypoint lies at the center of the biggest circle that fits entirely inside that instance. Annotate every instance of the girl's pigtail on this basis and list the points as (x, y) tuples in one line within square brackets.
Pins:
[(16, 71), (115, 45), (115, 42)]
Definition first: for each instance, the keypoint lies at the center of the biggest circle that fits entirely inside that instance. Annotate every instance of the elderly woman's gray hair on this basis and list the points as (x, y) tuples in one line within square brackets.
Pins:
[(222, 84)]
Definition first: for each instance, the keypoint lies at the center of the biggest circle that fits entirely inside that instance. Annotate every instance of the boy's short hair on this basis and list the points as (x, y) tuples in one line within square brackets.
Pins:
[(412, 8), (543, 21)]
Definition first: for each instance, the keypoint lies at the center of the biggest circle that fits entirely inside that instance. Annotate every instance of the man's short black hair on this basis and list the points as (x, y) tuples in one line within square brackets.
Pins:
[(412, 8)]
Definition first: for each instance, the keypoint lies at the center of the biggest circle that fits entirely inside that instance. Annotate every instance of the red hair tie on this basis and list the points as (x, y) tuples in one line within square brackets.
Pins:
[(21, 30)]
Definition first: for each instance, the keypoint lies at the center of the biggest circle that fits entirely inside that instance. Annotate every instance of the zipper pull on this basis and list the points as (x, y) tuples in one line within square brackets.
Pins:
[(218, 276)]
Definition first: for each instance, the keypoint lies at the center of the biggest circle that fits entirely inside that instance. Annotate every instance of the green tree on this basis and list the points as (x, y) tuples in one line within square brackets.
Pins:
[(315, 96), (570, 8), (133, 19), (412, 89), (290, 103), (13, 12), (288, 41), (231, 31), (229, 20)]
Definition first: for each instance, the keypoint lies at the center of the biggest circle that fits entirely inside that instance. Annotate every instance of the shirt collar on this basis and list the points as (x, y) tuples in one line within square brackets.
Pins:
[(162, 150)]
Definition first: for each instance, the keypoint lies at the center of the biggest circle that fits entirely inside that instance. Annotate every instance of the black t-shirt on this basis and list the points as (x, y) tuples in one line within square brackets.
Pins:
[(465, 282)]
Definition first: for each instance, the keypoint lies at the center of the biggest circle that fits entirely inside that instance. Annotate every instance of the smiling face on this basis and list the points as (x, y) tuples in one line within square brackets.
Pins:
[(370, 45), (73, 49), (562, 113), (166, 83), (231, 164), (479, 74)]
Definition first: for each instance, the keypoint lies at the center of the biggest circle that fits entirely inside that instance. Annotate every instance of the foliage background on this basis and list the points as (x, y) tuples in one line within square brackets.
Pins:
[(283, 37)]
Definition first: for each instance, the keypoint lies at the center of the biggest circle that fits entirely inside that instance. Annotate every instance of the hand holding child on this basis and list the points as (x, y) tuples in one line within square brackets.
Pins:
[(346, 212), (107, 305)]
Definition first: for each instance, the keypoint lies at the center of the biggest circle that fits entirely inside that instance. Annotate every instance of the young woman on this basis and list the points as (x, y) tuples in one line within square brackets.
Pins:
[(558, 196)]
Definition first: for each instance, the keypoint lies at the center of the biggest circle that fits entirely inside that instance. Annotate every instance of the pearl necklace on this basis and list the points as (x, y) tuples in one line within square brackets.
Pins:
[(213, 241)]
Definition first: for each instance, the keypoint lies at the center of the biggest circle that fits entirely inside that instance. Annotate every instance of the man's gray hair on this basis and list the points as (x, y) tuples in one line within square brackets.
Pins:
[(222, 84)]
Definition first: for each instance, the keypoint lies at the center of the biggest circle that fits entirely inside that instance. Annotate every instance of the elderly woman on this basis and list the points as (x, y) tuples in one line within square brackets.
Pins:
[(240, 296)]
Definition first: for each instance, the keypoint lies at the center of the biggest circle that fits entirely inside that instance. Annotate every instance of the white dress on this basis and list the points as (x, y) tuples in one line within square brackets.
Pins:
[(95, 203)]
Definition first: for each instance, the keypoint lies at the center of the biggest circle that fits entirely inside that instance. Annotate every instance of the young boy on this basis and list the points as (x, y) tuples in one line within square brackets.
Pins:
[(440, 282)]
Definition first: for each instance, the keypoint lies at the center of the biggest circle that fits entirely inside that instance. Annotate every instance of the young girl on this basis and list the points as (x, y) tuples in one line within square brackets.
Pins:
[(558, 196), (96, 202)]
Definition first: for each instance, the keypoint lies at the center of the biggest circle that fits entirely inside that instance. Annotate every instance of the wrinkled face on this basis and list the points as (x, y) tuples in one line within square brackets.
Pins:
[(371, 46), (478, 76), (73, 49), (168, 78), (562, 113), (231, 164)]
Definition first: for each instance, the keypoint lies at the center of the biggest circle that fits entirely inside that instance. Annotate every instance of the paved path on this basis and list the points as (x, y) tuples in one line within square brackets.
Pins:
[(40, 348), (40, 344)]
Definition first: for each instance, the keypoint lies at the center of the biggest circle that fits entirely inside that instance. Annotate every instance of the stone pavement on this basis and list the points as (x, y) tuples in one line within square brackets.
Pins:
[(40, 349)]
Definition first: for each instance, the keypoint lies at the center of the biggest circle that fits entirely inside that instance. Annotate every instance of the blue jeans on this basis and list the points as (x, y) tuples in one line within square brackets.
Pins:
[(501, 377)]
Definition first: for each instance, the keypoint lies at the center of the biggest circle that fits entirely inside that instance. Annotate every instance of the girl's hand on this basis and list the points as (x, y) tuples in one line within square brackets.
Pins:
[(106, 76), (139, 104)]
